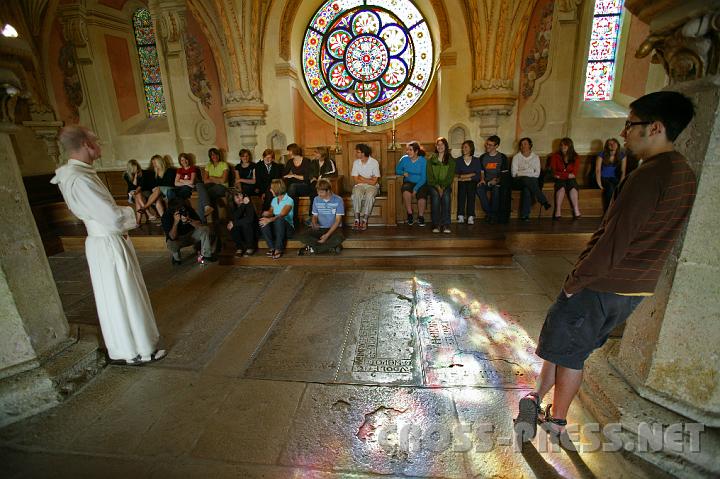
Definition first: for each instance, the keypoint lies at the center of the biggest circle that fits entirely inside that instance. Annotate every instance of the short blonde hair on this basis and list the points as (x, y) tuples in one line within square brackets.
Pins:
[(278, 187)]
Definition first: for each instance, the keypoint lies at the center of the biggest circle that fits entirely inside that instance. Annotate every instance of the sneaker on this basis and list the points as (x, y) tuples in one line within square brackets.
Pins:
[(206, 259), (446, 229), (525, 424), (461, 219), (338, 249), (410, 219), (239, 252), (421, 221), (363, 224), (356, 224), (176, 258), (303, 251), (249, 252), (471, 220), (436, 229)]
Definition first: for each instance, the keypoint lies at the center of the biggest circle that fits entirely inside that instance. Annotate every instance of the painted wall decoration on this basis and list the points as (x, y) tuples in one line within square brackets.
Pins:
[(71, 81), (195, 57), (600, 73), (535, 62), (367, 62), (149, 62)]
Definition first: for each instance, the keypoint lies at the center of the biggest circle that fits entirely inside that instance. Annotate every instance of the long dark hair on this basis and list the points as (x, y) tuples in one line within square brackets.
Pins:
[(619, 154), (571, 154), (446, 155), (217, 152)]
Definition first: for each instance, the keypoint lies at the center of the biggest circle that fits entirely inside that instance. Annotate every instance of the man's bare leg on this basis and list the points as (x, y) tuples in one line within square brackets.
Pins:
[(567, 385)]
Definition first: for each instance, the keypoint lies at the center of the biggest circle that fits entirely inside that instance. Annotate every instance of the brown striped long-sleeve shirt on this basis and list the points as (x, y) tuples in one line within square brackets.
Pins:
[(628, 252)]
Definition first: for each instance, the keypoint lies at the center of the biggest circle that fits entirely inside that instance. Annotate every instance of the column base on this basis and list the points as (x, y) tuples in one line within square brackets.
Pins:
[(611, 400), (49, 381)]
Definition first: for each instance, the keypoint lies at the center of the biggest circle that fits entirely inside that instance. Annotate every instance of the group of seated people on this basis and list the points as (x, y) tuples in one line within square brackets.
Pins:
[(162, 192)]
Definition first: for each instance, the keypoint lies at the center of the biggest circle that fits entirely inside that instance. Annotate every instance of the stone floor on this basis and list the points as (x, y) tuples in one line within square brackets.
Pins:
[(288, 373)]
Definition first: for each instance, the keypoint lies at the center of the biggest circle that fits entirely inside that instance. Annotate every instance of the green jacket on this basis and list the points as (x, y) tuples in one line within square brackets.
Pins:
[(439, 174)]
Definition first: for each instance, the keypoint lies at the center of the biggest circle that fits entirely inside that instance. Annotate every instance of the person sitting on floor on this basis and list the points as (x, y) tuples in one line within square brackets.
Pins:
[(413, 168), (565, 165), (325, 234), (276, 224), (525, 171), (366, 174), (243, 225), (493, 162), (183, 228)]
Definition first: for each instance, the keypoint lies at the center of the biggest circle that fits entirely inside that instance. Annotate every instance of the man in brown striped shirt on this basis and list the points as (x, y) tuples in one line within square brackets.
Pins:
[(623, 260)]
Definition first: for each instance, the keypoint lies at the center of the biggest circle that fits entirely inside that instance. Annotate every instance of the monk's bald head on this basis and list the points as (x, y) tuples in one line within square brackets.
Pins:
[(73, 137)]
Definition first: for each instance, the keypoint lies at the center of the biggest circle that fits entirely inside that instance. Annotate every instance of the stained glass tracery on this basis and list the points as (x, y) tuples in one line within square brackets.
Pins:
[(366, 62), (600, 73), (149, 62)]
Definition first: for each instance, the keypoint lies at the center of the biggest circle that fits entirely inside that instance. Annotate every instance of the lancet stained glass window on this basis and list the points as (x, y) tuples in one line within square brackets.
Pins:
[(600, 73), (366, 62), (149, 63)]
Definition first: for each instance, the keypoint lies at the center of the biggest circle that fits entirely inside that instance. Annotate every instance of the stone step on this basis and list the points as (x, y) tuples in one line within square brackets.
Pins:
[(386, 257)]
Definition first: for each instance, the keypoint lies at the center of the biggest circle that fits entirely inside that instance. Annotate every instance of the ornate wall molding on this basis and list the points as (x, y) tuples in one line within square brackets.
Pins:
[(688, 52)]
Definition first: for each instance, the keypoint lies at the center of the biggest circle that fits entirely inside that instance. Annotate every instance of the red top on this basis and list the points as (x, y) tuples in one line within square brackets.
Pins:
[(560, 169), (186, 173)]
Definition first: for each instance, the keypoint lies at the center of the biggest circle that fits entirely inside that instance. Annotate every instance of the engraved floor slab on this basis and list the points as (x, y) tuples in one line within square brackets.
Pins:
[(308, 335)]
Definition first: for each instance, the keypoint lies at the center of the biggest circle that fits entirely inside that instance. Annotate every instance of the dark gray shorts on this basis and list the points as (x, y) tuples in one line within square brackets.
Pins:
[(574, 327)]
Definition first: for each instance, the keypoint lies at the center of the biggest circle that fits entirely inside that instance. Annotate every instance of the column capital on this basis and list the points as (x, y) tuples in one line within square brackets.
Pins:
[(688, 51)]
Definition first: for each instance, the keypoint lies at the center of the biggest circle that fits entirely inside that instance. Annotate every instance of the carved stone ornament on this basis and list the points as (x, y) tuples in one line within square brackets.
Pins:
[(568, 5), (689, 52)]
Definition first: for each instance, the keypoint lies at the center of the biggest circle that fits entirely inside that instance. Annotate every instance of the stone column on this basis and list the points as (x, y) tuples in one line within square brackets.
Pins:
[(243, 113), (189, 121), (670, 351), (490, 103)]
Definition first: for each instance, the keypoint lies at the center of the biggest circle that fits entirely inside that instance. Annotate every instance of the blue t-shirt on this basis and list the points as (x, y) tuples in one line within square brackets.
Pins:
[(327, 210), (277, 207), (417, 172)]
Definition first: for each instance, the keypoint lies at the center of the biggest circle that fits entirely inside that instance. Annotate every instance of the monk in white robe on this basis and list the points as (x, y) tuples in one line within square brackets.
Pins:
[(123, 305)]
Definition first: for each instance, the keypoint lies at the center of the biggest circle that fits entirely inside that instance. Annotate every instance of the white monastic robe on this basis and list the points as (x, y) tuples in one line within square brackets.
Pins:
[(123, 305)]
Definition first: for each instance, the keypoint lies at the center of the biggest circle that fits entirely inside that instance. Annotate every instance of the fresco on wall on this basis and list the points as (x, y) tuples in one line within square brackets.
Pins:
[(535, 62), (71, 81), (199, 83)]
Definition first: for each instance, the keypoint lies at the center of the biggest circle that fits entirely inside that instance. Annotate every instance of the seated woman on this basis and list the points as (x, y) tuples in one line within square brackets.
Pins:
[(366, 175), (214, 185), (413, 168), (243, 225), (185, 176), (440, 176), (276, 224), (610, 167), (325, 232), (565, 165), (164, 176), (297, 175), (323, 166), (245, 173), (133, 178), (525, 170), (467, 168), (266, 171)]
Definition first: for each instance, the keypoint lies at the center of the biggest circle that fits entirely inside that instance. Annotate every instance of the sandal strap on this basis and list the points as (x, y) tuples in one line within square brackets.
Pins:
[(554, 420)]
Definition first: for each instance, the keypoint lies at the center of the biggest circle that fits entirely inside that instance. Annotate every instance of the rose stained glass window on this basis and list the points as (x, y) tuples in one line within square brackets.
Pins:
[(367, 62), (600, 73), (149, 63)]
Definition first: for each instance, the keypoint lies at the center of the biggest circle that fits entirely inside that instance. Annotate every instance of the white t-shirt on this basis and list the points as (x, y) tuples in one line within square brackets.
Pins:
[(525, 165), (366, 170)]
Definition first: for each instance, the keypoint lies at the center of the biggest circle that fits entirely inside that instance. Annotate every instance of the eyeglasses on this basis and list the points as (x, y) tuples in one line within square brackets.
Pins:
[(629, 123)]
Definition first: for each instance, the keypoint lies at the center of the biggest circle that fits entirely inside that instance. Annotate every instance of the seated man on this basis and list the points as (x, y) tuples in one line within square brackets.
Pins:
[(183, 228), (493, 162), (325, 234), (366, 174)]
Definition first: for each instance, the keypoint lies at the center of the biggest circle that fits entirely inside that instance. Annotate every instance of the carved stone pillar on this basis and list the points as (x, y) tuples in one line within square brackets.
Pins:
[(490, 103), (243, 114), (47, 131), (35, 334), (189, 121), (670, 351)]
